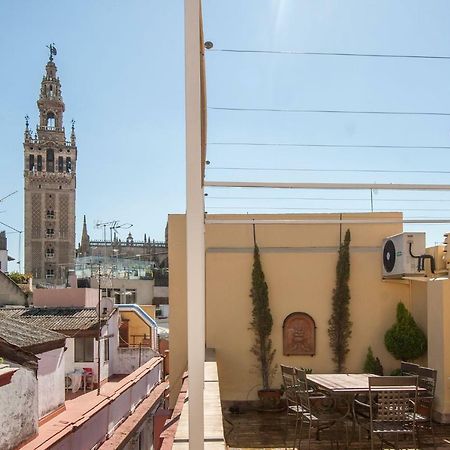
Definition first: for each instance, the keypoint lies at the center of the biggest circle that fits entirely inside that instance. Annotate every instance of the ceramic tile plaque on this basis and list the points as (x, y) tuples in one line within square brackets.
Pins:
[(299, 334)]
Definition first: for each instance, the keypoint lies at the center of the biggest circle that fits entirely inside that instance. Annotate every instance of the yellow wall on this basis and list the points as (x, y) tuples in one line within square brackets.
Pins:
[(299, 262), (136, 326), (439, 342), (177, 316)]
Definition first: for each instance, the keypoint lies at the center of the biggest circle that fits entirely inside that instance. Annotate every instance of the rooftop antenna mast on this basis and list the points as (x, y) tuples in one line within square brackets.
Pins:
[(104, 225), (116, 226), (20, 243)]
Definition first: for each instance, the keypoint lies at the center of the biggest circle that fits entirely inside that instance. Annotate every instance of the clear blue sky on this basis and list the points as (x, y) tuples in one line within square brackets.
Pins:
[(121, 67)]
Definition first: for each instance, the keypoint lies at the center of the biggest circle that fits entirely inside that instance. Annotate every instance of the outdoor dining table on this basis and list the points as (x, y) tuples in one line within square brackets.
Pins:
[(348, 383), (347, 386)]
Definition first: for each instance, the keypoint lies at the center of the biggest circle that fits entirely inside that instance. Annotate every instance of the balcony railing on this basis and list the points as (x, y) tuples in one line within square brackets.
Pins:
[(48, 128)]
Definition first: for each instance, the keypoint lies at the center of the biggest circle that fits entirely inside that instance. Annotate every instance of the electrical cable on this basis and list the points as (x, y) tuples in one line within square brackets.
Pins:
[(327, 199), (348, 54), (283, 144), (330, 111), (443, 172)]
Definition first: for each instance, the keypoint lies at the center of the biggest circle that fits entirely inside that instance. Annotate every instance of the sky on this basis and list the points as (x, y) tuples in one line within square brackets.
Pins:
[(121, 66)]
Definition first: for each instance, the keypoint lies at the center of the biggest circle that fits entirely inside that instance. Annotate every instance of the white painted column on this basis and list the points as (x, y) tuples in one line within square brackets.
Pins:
[(194, 226)]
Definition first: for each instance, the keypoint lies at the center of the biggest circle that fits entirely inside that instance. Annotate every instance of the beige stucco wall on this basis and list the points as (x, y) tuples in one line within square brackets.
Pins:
[(299, 262), (438, 316), (10, 292), (82, 297), (144, 288), (19, 408)]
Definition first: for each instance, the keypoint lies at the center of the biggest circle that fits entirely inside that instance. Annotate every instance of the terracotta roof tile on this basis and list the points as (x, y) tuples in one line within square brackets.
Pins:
[(55, 318), (24, 335)]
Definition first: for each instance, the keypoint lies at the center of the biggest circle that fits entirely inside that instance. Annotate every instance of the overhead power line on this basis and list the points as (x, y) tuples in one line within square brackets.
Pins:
[(285, 144), (348, 54), (330, 111), (286, 169)]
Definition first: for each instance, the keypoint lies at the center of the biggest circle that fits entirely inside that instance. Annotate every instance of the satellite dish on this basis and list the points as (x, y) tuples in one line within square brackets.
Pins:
[(106, 306), (389, 256)]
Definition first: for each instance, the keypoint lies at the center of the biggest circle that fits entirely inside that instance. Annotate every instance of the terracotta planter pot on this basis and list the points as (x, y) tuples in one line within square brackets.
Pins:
[(270, 399)]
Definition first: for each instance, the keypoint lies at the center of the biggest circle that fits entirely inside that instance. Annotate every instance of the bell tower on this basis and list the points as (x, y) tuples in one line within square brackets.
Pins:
[(50, 184)]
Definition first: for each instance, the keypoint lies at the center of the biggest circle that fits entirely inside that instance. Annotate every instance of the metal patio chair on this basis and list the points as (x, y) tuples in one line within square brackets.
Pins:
[(425, 400), (293, 407), (392, 408), (318, 410), (409, 368)]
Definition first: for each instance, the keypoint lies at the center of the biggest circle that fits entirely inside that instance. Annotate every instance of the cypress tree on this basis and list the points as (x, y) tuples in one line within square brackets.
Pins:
[(339, 325), (262, 321)]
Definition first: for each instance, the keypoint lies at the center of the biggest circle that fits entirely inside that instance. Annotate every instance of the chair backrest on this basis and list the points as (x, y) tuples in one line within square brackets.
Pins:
[(427, 380), (288, 376), (391, 398), (302, 389), (408, 368)]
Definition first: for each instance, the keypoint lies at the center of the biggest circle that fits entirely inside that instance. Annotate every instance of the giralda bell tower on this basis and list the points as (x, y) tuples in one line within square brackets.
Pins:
[(50, 184)]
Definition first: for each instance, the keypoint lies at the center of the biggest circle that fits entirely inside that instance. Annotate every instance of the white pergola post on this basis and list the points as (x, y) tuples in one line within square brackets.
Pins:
[(195, 261)]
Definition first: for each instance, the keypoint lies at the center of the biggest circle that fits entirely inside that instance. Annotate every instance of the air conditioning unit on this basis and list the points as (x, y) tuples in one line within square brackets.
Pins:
[(403, 255), (439, 253)]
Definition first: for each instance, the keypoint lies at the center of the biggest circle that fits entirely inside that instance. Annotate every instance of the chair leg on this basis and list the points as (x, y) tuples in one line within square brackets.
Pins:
[(295, 433), (286, 431), (300, 433), (432, 433)]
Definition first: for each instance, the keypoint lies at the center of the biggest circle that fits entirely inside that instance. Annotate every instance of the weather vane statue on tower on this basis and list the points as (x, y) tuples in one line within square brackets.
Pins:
[(52, 49)]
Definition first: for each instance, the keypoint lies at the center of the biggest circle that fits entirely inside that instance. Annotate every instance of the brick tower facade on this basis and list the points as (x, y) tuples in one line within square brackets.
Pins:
[(50, 184)]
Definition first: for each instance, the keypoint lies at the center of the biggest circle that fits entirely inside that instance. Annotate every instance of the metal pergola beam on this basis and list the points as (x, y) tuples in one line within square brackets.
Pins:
[(322, 221), (195, 244), (349, 186)]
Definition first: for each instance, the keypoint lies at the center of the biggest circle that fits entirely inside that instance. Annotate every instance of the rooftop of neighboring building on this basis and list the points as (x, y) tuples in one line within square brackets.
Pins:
[(28, 336), (11, 292), (64, 319)]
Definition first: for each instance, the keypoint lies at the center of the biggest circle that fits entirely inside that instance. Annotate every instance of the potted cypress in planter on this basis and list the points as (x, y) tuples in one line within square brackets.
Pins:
[(261, 325)]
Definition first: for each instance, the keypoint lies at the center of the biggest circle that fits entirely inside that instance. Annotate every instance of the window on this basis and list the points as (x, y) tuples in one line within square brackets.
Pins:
[(60, 164), (50, 214), (84, 349), (50, 253), (106, 349), (39, 163), (114, 294), (51, 120), (50, 232), (50, 160), (68, 164), (130, 296), (31, 163), (50, 273)]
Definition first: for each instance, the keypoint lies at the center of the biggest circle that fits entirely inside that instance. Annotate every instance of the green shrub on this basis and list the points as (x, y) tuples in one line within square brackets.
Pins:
[(396, 373), (372, 365), (19, 278), (405, 340)]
